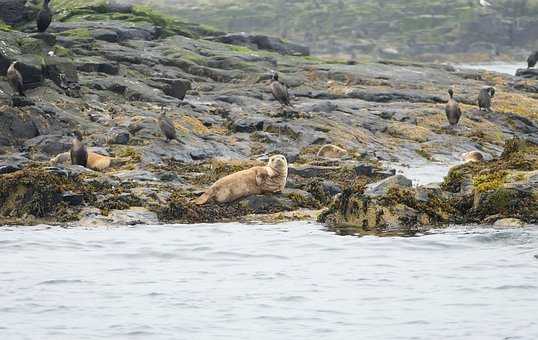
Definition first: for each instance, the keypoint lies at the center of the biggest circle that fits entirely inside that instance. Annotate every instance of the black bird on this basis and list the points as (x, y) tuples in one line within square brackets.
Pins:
[(452, 109), (532, 60), (78, 152), (167, 127), (44, 17), (280, 91), (484, 98), (14, 79)]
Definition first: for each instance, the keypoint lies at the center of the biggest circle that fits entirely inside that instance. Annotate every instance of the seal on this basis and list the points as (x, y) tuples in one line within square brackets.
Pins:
[(472, 156), (78, 152), (279, 91), (484, 98), (452, 110), (95, 161), (331, 151), (44, 17), (15, 79), (254, 181)]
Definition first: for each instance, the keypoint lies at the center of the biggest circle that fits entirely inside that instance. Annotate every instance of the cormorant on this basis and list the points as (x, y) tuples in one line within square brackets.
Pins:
[(280, 91), (167, 127), (531, 61), (452, 109), (484, 98), (14, 79), (44, 17)]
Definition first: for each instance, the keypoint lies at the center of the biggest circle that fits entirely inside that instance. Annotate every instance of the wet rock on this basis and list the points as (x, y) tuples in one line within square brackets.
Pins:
[(176, 88), (48, 38), (136, 176), (16, 127), (118, 136), (14, 11), (128, 217), (50, 145), (97, 65), (246, 123), (8, 168), (531, 73), (310, 171), (509, 223), (261, 204), (72, 198), (20, 101), (263, 42), (109, 30), (382, 187), (364, 170)]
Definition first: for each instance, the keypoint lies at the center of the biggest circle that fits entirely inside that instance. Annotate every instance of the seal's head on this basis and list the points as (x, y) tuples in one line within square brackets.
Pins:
[(492, 92), (77, 135), (278, 163), (451, 92), (472, 156)]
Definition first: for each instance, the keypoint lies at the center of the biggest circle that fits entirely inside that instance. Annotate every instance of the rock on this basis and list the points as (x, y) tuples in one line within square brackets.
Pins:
[(97, 65), (9, 168), (92, 217), (14, 11), (527, 73), (20, 101), (63, 73), (263, 204), (72, 198), (48, 38), (381, 188), (50, 145), (176, 88), (262, 42), (509, 223), (364, 170), (241, 123), (136, 176), (118, 136), (309, 171)]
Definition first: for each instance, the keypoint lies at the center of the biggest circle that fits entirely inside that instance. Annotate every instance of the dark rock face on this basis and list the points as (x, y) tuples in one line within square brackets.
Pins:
[(263, 42), (14, 11)]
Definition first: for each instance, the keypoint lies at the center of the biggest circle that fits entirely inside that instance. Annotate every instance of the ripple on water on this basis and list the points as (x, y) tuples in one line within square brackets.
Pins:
[(295, 280)]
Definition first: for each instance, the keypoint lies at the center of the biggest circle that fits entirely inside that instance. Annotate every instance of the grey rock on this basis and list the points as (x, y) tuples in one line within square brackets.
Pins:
[(118, 136), (509, 223), (382, 187), (263, 42), (14, 11)]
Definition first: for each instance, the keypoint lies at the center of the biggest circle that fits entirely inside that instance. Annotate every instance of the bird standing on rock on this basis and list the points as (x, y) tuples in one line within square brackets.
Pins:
[(484, 98), (167, 127), (279, 91), (532, 59), (14, 79), (44, 17), (452, 109), (78, 152)]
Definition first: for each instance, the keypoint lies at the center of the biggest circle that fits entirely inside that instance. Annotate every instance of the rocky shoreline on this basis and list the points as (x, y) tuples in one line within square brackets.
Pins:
[(112, 69)]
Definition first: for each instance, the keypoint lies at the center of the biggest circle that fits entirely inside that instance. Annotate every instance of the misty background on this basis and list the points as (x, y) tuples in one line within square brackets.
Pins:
[(422, 29)]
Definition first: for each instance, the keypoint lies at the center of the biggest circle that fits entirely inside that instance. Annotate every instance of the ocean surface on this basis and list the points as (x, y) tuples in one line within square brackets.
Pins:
[(287, 281)]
